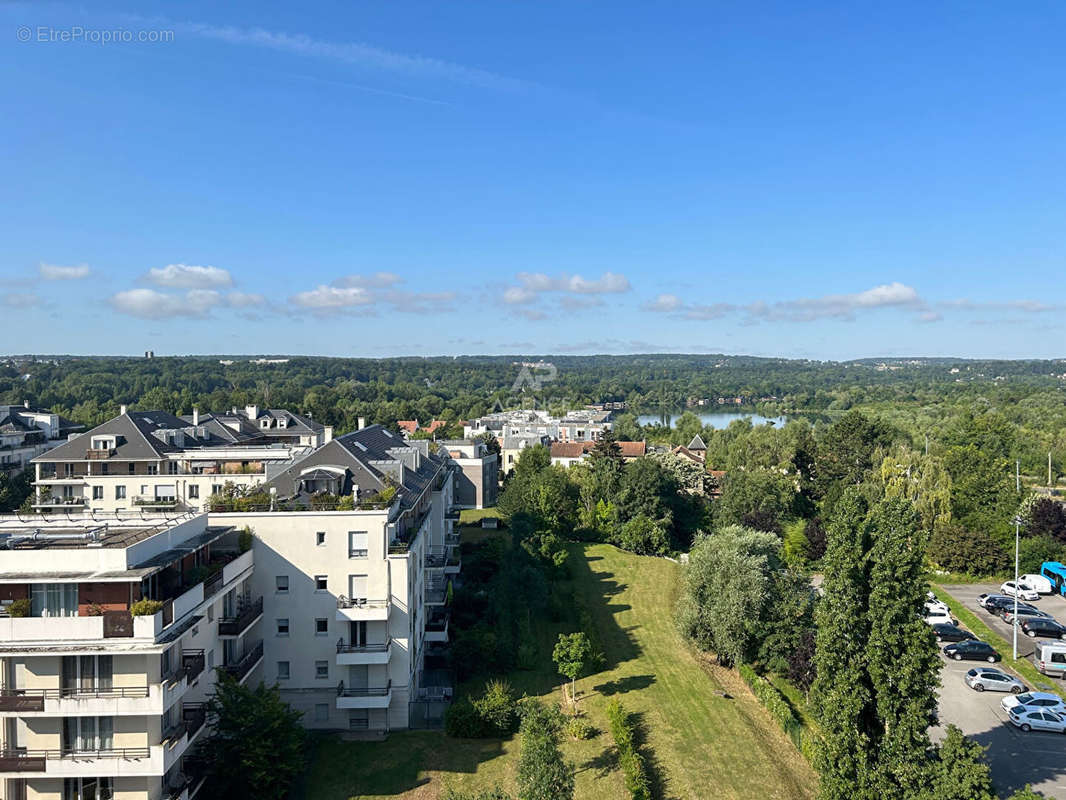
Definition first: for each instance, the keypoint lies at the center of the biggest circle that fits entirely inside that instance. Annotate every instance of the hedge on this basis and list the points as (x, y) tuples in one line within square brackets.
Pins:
[(629, 757), (780, 710)]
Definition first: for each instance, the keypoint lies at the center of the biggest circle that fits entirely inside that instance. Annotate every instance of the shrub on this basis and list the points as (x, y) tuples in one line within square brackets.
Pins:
[(1035, 550), (496, 793), (244, 540), (497, 709), (780, 710), (629, 758), (462, 721), (959, 549), (94, 610), (146, 607), (19, 608), (579, 728)]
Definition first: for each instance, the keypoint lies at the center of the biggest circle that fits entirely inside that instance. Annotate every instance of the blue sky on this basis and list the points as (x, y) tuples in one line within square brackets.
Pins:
[(381, 178)]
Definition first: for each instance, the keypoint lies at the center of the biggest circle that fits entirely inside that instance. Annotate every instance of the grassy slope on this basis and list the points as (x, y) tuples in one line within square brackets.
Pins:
[(701, 744)]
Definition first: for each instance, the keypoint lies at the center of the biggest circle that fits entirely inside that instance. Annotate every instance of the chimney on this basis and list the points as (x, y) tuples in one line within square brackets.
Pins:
[(362, 423), (327, 434), (122, 409), (252, 411), (25, 403), (195, 416)]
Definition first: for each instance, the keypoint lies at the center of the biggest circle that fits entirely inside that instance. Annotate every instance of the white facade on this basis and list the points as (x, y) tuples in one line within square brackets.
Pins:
[(91, 696)]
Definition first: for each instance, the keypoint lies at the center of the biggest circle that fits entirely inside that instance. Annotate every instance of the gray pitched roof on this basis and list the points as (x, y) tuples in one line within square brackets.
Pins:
[(697, 443)]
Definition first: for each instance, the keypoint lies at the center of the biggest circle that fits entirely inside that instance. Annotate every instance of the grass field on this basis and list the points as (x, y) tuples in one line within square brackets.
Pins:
[(705, 734)]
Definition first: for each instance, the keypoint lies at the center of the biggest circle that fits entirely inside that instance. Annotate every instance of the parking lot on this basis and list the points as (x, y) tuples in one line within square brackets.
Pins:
[(1016, 758)]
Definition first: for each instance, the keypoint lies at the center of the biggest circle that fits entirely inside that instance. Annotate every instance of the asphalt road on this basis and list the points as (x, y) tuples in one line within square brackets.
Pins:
[(1016, 758)]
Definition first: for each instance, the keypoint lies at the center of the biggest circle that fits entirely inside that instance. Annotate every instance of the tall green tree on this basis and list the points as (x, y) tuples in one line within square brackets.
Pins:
[(256, 747), (958, 772), (573, 655)]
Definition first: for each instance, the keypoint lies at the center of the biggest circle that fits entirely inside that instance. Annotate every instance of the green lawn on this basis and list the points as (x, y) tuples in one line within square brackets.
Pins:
[(706, 735)]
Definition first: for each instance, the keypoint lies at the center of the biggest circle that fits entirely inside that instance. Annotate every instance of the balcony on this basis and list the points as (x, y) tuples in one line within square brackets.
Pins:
[(63, 763), (194, 715), (436, 594), (360, 609), (112, 701), (436, 558), (451, 539), (437, 627), (364, 697), (192, 664), (100, 452), (364, 653), (60, 502), (235, 626), (454, 564), (243, 667)]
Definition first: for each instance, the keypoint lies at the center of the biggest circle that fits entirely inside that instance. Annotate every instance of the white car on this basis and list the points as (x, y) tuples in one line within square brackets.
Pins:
[(1024, 591), (936, 607), (1038, 582), (937, 617), (1034, 720), (1035, 701)]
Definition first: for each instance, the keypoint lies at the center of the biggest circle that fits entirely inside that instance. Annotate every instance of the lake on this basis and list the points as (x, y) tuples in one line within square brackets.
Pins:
[(717, 420)]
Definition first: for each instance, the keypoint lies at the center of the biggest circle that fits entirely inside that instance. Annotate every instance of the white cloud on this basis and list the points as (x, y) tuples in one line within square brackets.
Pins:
[(332, 298), (1026, 306), (378, 280), (20, 300), (150, 304), (54, 272), (804, 309), (189, 276), (353, 53), (244, 300), (576, 291)]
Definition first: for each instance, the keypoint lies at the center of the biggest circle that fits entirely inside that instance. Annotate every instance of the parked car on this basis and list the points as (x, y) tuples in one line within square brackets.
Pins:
[(1050, 657), (1035, 701), (995, 603), (1025, 611), (937, 618), (1037, 720), (946, 632), (936, 607), (1038, 582), (994, 680), (1036, 627), (972, 650), (984, 597), (1023, 590)]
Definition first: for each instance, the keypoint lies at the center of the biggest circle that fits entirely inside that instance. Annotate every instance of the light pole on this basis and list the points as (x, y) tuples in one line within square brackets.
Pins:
[(1017, 530)]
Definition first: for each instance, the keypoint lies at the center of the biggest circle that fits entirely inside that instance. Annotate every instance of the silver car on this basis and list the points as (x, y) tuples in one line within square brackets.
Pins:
[(1029, 720), (994, 680)]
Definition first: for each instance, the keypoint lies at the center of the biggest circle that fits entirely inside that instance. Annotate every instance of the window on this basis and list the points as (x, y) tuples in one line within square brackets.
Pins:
[(54, 600), (133, 468), (211, 613), (88, 733), (210, 659), (105, 468), (283, 627), (85, 673), (320, 538), (120, 492), (194, 492), (1058, 658), (153, 469), (320, 583), (68, 470), (321, 627), (358, 543), (98, 493), (322, 669), (321, 712), (281, 584), (172, 468), (283, 670), (357, 587), (88, 789)]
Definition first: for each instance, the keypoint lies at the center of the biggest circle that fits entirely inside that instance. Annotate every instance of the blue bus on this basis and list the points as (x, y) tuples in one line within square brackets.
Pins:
[(1056, 573)]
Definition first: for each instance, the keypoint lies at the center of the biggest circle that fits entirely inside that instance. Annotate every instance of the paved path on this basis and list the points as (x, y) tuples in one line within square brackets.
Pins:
[(1016, 758)]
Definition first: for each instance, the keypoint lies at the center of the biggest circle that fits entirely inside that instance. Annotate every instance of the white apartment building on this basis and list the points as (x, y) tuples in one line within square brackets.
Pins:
[(355, 600), (154, 461), (99, 704), (581, 425), (26, 433)]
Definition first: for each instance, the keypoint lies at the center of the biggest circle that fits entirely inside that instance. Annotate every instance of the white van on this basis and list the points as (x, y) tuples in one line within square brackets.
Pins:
[(1050, 657), (1038, 582)]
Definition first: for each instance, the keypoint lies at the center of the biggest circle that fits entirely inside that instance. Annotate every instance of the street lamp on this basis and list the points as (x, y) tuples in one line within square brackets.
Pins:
[(1017, 533)]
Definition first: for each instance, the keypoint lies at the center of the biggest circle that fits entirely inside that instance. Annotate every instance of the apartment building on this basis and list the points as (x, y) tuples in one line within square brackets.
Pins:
[(155, 461), (353, 561), (567, 454), (26, 433), (477, 480), (102, 694), (516, 430)]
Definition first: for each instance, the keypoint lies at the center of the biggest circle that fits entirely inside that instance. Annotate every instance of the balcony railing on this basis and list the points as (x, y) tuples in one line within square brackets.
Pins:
[(359, 602), (240, 669), (192, 664), (381, 647), (364, 691), (22, 760), (102, 452), (232, 626), (60, 501), (436, 558), (194, 715), (33, 699)]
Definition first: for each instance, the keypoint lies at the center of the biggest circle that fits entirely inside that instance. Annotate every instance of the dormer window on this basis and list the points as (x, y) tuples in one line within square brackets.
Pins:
[(102, 443), (264, 423)]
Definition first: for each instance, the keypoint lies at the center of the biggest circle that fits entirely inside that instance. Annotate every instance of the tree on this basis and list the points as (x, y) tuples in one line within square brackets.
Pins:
[(726, 590), (606, 464), (542, 772), (846, 453), (15, 489), (257, 745), (1035, 550), (757, 496), (1026, 794), (643, 489), (573, 654), (959, 771), (1046, 517), (958, 549), (643, 536), (490, 442)]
